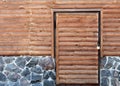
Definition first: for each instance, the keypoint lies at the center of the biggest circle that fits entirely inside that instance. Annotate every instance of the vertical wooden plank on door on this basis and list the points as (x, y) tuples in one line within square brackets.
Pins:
[(76, 47)]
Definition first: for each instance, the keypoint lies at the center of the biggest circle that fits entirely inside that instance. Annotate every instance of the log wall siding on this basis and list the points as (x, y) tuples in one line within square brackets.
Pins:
[(21, 19), (14, 28), (25, 27), (76, 41)]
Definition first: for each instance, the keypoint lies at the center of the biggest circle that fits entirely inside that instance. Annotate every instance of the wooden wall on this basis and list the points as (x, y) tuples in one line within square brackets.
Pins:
[(76, 52), (26, 26)]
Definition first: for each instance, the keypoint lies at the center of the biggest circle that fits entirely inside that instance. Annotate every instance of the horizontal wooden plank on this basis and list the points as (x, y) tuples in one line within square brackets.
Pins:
[(68, 39), (14, 48), (13, 38), (111, 53), (114, 30), (83, 62), (43, 53), (40, 49), (40, 33), (74, 58), (14, 43), (89, 34), (77, 67), (11, 30), (78, 38), (76, 26), (74, 20), (78, 81), (89, 72), (111, 34), (40, 43), (13, 53), (78, 76), (43, 38), (78, 43), (76, 48), (111, 43), (78, 30), (78, 53)]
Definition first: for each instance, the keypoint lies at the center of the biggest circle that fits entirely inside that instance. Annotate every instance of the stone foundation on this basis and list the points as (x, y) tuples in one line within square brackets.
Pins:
[(27, 71), (40, 71), (110, 71)]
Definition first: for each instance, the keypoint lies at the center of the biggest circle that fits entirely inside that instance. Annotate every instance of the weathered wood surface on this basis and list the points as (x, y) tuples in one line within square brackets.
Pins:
[(77, 53), (26, 28), (31, 22), (77, 85)]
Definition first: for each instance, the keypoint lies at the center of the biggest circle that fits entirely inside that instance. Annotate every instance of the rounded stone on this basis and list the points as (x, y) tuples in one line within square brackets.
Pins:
[(25, 72), (105, 82), (105, 73), (49, 83), (20, 61), (115, 65), (103, 62), (36, 69), (2, 84), (1, 61), (27, 58), (2, 77), (47, 63), (46, 75), (24, 82), (114, 74), (114, 82), (10, 83), (52, 75), (33, 62), (118, 67), (13, 68), (109, 63), (14, 77), (37, 84), (8, 59), (36, 78), (1, 67)]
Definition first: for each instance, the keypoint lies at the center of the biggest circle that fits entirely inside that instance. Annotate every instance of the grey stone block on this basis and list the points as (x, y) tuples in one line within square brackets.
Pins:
[(37, 84), (105, 82), (2, 77), (25, 72), (13, 68), (24, 82), (20, 62), (36, 77), (105, 73), (37, 69), (33, 62), (49, 83), (14, 77)]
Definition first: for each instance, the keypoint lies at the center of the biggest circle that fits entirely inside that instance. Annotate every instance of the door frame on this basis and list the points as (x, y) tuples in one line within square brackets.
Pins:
[(98, 11)]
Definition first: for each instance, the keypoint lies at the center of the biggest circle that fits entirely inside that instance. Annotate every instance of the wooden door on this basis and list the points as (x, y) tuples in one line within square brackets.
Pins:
[(76, 40)]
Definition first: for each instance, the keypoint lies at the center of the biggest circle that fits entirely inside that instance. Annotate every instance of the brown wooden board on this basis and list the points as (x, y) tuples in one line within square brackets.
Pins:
[(81, 53)]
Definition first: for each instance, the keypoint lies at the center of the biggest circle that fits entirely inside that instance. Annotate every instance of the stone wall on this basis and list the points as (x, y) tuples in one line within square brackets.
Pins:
[(27, 71), (40, 71), (110, 71)]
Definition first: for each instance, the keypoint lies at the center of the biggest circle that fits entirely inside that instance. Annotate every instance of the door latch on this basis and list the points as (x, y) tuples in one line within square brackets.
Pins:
[(98, 47)]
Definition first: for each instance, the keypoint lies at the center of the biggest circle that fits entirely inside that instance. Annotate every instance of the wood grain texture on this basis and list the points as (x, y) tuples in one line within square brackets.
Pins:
[(77, 53), (25, 26), (15, 17)]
